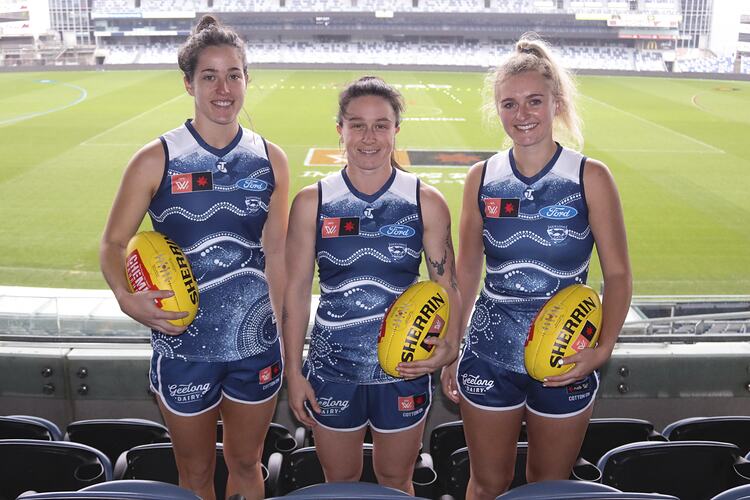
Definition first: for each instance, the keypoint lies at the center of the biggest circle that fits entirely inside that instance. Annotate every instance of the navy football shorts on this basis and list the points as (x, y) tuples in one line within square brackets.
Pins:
[(193, 387), (491, 387), (392, 407)]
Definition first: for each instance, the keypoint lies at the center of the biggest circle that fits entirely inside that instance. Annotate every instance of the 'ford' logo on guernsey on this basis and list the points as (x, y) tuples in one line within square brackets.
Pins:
[(250, 184), (397, 231), (558, 212)]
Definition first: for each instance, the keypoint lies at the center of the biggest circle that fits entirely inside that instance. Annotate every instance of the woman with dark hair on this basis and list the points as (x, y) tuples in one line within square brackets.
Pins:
[(535, 210), (341, 223), (220, 191)]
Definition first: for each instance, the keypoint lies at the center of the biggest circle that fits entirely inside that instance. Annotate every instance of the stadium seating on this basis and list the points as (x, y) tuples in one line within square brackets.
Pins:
[(459, 467), (689, 470), (28, 427), (278, 440), (604, 434), (302, 468), (156, 462), (114, 436), (30, 464), (729, 429)]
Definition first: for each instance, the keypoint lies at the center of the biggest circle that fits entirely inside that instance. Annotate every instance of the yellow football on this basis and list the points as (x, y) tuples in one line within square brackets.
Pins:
[(154, 262), (567, 323), (420, 312)]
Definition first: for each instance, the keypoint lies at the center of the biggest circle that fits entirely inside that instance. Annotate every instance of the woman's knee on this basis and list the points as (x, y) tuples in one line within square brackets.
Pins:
[(489, 485)]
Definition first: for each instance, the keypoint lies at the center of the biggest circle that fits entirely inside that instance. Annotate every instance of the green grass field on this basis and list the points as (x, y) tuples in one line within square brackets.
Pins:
[(679, 150)]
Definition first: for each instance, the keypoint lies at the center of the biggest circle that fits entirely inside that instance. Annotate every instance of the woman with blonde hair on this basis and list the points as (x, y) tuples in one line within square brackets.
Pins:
[(535, 210)]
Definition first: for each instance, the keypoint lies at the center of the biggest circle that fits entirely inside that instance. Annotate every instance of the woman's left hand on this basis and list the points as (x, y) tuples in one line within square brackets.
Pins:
[(585, 361), (445, 353)]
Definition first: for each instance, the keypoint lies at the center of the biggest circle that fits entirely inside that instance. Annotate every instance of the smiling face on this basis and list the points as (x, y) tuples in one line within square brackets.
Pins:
[(368, 130), (218, 85), (527, 109)]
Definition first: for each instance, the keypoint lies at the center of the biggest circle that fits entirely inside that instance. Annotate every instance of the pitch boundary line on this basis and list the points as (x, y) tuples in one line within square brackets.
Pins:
[(83, 95), (88, 142), (657, 125)]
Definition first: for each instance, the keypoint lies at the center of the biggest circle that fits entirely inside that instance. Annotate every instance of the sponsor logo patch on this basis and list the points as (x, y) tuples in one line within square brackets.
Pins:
[(406, 403), (269, 373), (397, 231), (498, 208), (331, 407), (558, 212), (251, 184), (186, 393), (474, 384), (584, 340), (333, 227), (190, 183)]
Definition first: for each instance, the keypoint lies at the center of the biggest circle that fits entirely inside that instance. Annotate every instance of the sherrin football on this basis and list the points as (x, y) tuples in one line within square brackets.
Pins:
[(420, 312), (154, 262), (567, 323)]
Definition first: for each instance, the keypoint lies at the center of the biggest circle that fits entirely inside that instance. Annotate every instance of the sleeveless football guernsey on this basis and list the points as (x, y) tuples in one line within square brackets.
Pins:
[(537, 240), (214, 203), (368, 251)]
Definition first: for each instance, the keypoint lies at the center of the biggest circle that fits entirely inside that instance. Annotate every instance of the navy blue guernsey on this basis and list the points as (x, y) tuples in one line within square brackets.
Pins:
[(368, 251), (214, 203), (537, 240)]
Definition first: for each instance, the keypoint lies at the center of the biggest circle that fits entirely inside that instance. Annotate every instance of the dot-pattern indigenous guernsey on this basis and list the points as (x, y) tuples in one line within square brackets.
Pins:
[(214, 204), (537, 240), (368, 251)]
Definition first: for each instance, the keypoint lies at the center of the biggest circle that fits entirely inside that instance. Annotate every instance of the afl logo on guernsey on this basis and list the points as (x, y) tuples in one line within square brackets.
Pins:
[(250, 184), (558, 212), (500, 208), (397, 231)]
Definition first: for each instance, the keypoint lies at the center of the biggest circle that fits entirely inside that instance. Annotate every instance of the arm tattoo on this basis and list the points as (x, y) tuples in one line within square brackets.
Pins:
[(439, 266), (452, 263), (284, 315)]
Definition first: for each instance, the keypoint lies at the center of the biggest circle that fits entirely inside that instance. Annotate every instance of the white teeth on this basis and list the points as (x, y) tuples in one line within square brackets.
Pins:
[(222, 103), (526, 127)]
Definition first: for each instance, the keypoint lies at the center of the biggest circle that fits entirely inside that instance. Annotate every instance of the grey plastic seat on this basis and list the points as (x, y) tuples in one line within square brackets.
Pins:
[(689, 470)]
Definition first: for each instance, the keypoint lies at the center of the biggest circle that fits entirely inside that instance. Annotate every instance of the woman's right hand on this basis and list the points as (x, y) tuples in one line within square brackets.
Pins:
[(141, 306), (299, 390)]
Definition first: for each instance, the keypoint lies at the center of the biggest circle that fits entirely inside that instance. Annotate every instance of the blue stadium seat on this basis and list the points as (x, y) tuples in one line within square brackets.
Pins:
[(28, 427), (736, 493), (565, 490), (689, 470), (115, 435), (29, 464), (729, 429), (361, 490)]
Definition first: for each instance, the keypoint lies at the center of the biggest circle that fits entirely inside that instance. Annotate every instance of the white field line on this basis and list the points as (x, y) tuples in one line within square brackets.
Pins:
[(668, 151), (84, 94), (657, 125), (88, 142)]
